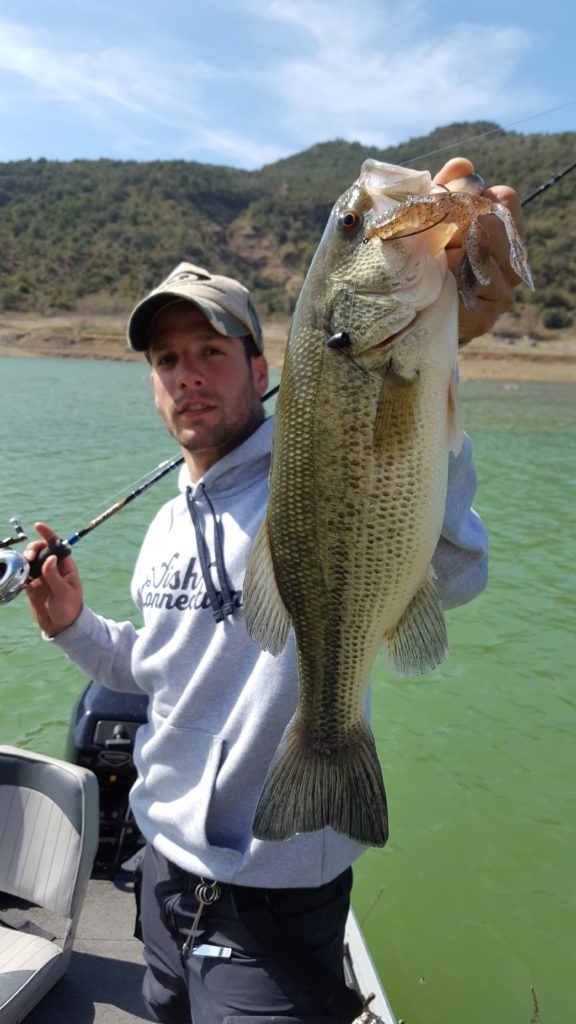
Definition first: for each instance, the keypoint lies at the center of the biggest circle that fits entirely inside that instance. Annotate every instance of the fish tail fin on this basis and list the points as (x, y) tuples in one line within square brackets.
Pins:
[(313, 784), (419, 642)]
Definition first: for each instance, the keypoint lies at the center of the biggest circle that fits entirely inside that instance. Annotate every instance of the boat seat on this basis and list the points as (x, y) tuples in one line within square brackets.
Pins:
[(48, 841)]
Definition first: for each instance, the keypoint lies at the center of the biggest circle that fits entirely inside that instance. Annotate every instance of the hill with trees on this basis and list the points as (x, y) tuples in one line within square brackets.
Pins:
[(95, 235)]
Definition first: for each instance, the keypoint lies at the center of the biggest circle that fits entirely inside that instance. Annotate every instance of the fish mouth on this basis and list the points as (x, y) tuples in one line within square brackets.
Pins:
[(390, 340)]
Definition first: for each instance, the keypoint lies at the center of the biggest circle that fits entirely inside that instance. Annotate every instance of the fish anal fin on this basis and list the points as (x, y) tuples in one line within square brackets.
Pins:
[(312, 785), (266, 617), (419, 642), (395, 419), (455, 428)]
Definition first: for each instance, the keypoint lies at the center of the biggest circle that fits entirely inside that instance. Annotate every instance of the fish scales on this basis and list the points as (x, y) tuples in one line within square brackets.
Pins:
[(357, 493)]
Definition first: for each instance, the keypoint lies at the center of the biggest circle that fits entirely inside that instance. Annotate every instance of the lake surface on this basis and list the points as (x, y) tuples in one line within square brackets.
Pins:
[(470, 910)]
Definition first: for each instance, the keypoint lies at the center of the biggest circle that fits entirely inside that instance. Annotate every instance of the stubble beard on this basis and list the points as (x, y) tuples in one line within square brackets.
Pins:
[(223, 436)]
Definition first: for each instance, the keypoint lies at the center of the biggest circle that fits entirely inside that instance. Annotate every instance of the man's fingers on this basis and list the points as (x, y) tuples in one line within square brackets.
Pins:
[(499, 242), (458, 167), (507, 197), (54, 573), (48, 537), (491, 301), (503, 281), (32, 549), (46, 532)]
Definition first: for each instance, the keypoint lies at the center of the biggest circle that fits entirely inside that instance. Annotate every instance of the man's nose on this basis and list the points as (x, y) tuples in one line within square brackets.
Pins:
[(191, 371)]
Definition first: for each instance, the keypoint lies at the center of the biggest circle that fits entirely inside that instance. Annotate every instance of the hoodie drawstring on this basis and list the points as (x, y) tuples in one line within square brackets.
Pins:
[(223, 602)]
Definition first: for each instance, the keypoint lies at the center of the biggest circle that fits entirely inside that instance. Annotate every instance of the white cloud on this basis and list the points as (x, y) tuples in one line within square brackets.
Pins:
[(375, 71), (111, 76), (111, 81), (235, 148), (380, 74)]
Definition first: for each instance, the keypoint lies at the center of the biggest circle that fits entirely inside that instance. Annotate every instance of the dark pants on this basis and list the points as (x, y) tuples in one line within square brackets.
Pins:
[(248, 984)]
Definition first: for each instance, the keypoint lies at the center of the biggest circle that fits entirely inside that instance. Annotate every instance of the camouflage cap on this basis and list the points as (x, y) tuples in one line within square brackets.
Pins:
[(225, 303)]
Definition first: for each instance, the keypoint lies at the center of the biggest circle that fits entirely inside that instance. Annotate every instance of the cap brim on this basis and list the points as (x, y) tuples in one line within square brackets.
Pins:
[(142, 316)]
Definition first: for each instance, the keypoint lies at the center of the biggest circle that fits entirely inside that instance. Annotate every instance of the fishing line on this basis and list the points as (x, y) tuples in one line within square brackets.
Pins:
[(131, 486), (484, 135), (93, 510)]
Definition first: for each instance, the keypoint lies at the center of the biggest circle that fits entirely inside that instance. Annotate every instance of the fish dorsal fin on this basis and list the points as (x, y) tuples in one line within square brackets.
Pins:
[(419, 642), (267, 619)]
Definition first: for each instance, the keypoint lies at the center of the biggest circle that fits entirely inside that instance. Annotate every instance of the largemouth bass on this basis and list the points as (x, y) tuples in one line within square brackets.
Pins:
[(366, 416)]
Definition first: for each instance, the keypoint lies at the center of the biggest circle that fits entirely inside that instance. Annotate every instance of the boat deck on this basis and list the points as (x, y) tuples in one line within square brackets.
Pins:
[(104, 980)]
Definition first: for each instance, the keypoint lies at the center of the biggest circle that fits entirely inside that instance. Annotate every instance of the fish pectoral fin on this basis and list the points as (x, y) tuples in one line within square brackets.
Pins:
[(419, 642), (266, 617), (455, 428), (396, 413)]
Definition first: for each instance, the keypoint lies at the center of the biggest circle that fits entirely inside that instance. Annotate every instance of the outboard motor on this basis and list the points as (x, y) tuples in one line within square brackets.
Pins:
[(101, 737)]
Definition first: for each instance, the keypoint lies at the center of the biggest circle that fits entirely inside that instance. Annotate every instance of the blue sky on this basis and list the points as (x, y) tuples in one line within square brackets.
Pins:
[(245, 83)]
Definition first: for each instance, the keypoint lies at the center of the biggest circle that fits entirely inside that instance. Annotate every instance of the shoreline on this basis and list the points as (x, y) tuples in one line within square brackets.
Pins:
[(76, 336)]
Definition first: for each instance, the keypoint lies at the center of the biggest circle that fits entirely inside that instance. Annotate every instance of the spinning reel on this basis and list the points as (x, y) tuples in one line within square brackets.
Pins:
[(15, 569)]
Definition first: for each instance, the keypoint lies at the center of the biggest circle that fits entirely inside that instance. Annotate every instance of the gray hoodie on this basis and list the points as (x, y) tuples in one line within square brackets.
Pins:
[(218, 704)]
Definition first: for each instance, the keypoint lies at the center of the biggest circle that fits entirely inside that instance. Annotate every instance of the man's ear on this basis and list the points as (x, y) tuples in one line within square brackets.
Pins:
[(260, 374)]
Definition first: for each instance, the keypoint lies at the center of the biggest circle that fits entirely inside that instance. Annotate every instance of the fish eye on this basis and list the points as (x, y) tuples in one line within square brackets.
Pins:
[(349, 221)]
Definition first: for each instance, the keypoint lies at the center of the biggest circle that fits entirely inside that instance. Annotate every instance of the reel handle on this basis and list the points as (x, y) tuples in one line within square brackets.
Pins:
[(60, 548)]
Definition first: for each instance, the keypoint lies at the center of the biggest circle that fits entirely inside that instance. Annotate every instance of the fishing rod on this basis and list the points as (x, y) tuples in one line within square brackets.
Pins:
[(16, 570), (547, 184)]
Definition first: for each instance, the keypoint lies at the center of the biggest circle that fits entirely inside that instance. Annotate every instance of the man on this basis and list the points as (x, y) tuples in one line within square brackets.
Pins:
[(224, 915)]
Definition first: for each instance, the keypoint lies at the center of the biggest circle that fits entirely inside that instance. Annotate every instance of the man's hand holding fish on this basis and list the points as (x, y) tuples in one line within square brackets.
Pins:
[(497, 297)]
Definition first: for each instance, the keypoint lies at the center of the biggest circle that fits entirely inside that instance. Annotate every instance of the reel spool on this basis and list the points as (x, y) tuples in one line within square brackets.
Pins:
[(14, 571), (14, 568)]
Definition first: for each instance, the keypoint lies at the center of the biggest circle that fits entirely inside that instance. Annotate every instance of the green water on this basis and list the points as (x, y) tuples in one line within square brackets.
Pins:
[(470, 909)]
